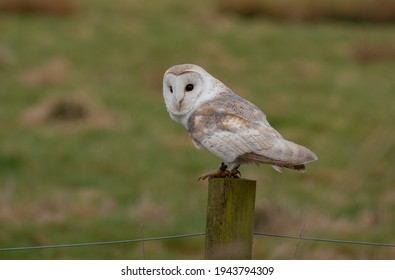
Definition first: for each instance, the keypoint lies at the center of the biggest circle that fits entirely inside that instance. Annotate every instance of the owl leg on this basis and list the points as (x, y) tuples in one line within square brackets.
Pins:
[(235, 173), (222, 172)]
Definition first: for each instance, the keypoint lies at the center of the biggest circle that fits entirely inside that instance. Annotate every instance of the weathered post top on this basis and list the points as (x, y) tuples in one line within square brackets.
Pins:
[(230, 218)]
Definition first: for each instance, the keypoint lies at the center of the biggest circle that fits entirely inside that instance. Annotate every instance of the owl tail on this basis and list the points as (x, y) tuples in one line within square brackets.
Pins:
[(299, 167), (284, 154), (292, 156)]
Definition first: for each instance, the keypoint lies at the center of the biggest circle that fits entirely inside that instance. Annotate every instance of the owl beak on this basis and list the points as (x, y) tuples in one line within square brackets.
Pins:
[(179, 103), (179, 99)]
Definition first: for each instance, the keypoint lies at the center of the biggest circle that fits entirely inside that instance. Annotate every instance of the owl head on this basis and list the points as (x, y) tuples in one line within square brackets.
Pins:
[(185, 87)]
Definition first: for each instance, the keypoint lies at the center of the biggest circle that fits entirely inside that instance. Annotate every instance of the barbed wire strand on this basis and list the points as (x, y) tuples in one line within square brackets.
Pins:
[(327, 240)]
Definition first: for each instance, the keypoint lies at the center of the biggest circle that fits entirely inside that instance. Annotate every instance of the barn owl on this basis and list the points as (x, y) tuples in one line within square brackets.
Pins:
[(227, 125)]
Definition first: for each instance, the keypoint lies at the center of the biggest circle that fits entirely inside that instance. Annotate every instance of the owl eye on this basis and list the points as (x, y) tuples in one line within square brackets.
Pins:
[(171, 89), (189, 87)]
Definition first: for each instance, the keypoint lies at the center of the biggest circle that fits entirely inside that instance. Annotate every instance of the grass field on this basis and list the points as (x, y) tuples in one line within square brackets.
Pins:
[(88, 152)]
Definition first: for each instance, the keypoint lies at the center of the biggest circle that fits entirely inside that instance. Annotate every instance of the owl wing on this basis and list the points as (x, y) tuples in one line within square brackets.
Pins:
[(233, 139), (231, 127)]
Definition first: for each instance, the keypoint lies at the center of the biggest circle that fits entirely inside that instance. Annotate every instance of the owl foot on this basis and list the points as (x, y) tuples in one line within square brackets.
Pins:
[(234, 173), (222, 172)]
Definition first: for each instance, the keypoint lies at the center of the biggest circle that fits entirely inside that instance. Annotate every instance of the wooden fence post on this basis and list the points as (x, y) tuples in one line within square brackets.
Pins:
[(230, 218)]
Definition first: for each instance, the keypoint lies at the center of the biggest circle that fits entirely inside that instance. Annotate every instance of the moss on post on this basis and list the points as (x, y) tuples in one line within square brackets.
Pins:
[(230, 218)]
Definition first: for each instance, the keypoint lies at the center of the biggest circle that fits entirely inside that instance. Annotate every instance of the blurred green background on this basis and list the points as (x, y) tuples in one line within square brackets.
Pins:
[(88, 152)]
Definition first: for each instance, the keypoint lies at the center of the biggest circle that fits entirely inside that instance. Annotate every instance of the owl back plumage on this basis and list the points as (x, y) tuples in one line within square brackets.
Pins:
[(238, 132)]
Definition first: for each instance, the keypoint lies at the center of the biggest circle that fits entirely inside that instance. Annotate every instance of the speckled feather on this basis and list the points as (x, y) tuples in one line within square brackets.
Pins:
[(239, 132)]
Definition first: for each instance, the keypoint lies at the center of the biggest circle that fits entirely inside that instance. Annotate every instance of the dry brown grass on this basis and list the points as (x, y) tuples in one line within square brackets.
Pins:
[(57, 206), (48, 7), (371, 53), (146, 209), (53, 72), (74, 111), (310, 10), (6, 56)]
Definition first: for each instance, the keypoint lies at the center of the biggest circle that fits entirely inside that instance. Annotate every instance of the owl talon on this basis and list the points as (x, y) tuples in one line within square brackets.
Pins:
[(222, 172), (234, 173), (215, 174)]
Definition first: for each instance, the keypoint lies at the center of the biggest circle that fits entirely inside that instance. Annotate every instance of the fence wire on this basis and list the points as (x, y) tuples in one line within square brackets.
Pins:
[(327, 240), (102, 242)]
